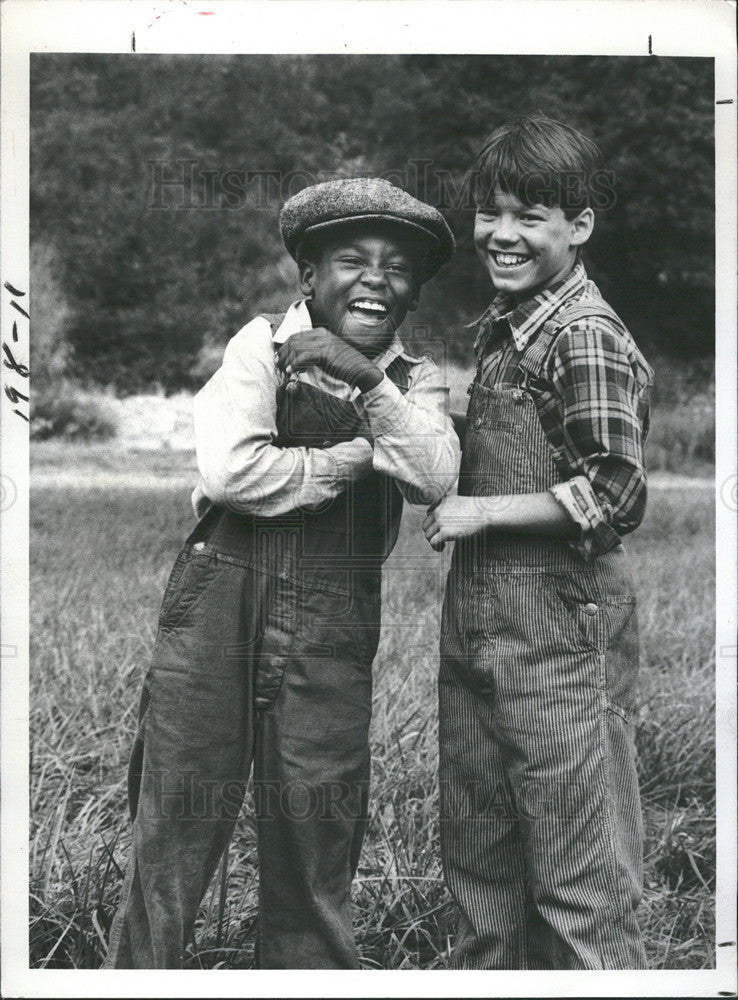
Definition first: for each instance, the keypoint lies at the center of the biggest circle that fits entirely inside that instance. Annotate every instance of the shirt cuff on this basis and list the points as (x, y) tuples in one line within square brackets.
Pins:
[(380, 406), (581, 504), (332, 469)]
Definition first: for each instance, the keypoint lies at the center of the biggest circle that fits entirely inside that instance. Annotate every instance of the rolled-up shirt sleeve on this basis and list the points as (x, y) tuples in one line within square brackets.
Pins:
[(593, 376), (235, 430), (414, 438)]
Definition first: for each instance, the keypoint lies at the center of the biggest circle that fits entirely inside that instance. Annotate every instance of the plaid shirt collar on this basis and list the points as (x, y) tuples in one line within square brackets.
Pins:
[(526, 319)]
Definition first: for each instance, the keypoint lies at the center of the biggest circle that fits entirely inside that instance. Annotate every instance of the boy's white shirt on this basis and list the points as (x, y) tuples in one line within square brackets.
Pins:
[(235, 429)]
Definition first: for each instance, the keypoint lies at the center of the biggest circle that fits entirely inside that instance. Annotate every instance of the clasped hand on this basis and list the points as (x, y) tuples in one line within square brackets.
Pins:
[(456, 517), (323, 349)]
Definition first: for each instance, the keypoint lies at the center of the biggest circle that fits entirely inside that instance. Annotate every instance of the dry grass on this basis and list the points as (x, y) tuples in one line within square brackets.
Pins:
[(100, 559)]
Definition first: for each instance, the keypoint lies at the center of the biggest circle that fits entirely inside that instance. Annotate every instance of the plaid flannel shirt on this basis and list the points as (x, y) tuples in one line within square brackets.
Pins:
[(592, 400)]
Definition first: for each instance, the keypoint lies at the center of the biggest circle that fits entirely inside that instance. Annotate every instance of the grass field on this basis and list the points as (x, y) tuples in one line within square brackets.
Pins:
[(100, 559)]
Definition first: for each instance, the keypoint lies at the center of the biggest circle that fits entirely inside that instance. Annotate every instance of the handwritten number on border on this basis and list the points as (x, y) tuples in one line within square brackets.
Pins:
[(9, 361)]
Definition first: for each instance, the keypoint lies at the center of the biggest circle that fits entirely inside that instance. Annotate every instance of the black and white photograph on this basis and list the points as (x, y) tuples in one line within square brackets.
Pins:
[(368, 498)]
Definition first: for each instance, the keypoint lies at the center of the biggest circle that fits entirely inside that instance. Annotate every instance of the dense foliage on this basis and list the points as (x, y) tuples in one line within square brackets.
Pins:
[(152, 279)]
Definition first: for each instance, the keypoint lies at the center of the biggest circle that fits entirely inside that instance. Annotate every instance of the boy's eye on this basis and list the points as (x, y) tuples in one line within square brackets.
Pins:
[(398, 268)]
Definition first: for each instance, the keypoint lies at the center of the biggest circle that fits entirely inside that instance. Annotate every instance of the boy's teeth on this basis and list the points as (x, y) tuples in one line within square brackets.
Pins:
[(376, 307), (510, 259)]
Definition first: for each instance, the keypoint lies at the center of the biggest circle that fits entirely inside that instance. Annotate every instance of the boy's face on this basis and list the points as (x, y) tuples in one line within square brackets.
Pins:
[(526, 248), (361, 285)]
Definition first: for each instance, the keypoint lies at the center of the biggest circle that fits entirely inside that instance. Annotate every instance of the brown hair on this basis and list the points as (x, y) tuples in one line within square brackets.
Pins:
[(541, 162)]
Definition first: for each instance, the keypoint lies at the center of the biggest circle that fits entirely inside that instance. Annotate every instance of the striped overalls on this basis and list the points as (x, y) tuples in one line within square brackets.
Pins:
[(540, 813), (264, 653)]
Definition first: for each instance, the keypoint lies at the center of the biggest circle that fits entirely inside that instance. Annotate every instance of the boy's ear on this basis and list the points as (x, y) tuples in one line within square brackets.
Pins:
[(307, 277), (581, 227), (418, 268)]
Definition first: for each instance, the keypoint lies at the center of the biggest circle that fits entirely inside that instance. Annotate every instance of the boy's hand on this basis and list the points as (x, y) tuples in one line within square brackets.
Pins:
[(456, 517), (529, 513), (323, 349)]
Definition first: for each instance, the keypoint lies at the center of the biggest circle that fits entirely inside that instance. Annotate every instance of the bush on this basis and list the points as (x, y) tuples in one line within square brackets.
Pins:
[(682, 435), (682, 440), (63, 410), (149, 275)]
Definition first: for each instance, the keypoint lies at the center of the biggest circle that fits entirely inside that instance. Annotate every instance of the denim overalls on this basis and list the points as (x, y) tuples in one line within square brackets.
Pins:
[(266, 638), (540, 813)]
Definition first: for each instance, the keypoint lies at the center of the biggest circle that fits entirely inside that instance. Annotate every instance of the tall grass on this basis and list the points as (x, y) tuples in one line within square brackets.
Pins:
[(100, 559)]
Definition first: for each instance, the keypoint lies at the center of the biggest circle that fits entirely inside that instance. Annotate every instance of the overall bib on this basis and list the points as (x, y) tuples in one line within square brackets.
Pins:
[(540, 814), (264, 651)]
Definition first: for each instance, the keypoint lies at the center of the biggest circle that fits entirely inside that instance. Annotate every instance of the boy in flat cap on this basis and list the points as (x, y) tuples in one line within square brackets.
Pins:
[(308, 436)]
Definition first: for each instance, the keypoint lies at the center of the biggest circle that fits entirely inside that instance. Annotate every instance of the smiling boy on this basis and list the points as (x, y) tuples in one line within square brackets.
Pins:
[(308, 436), (541, 824)]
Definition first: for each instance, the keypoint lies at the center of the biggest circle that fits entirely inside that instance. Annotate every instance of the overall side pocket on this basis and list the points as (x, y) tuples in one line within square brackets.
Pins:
[(610, 628), (599, 623), (192, 572)]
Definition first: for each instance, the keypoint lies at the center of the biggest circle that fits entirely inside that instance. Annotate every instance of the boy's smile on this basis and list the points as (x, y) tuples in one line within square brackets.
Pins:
[(526, 248), (362, 285), (372, 312)]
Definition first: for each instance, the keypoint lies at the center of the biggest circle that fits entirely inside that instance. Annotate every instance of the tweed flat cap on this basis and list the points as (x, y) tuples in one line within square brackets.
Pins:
[(323, 206)]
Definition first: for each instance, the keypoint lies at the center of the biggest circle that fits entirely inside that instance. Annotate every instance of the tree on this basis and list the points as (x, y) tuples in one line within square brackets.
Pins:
[(152, 273)]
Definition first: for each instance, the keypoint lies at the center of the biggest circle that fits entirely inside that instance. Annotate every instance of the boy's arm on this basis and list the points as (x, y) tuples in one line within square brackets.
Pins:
[(601, 434), (414, 437), (593, 374), (522, 513), (235, 429)]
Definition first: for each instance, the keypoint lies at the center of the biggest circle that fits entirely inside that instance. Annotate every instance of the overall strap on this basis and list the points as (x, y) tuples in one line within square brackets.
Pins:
[(535, 358), (398, 372)]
